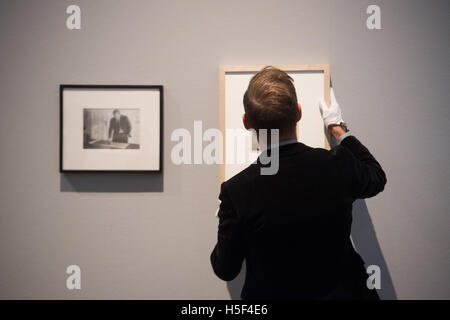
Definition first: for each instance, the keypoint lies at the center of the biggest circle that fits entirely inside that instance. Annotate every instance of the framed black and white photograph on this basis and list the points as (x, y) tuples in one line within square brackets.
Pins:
[(110, 128)]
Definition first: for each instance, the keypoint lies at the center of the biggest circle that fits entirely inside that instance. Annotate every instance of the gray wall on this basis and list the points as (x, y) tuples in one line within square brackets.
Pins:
[(150, 236)]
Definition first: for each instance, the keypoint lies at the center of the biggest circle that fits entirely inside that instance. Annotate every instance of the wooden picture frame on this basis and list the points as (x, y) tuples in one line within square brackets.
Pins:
[(224, 70)]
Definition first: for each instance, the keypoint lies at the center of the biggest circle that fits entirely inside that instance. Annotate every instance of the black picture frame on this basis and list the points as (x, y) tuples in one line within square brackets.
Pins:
[(62, 87)]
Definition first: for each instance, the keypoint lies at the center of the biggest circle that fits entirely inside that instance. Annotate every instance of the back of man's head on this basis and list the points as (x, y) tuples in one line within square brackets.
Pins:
[(270, 101)]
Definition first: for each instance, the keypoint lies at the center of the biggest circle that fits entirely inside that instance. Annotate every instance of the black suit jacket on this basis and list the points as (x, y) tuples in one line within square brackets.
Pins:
[(293, 228), (123, 124)]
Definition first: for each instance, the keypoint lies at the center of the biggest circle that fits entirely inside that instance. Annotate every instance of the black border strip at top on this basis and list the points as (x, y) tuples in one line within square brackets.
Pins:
[(86, 86)]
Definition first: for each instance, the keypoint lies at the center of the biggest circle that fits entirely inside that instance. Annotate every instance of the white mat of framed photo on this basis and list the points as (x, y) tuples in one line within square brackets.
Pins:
[(110, 128)]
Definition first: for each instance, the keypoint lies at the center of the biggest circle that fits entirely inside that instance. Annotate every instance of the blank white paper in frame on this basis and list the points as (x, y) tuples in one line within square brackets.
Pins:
[(311, 82)]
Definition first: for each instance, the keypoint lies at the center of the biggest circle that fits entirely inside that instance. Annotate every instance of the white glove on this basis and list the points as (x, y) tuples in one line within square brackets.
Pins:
[(333, 114)]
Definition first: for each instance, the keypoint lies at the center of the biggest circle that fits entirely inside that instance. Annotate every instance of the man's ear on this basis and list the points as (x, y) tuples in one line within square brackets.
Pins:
[(299, 116), (245, 122)]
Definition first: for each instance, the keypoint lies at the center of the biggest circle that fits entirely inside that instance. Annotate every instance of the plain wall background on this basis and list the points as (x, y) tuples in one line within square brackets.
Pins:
[(155, 243)]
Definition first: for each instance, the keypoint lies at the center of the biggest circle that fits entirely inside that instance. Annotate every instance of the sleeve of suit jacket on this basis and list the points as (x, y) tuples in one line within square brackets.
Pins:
[(110, 129), (229, 252), (128, 126), (360, 172)]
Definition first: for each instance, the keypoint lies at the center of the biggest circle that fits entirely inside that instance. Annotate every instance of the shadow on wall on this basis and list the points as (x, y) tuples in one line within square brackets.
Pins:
[(111, 182), (235, 286), (366, 244)]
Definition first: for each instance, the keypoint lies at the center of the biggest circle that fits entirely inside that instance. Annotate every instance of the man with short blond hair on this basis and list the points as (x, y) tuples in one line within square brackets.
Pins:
[(293, 228)]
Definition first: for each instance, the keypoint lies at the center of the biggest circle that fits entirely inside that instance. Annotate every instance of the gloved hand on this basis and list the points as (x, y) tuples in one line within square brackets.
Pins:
[(331, 115)]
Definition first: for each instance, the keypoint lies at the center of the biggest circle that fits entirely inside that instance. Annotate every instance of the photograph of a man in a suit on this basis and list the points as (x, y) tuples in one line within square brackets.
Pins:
[(119, 128), (293, 228)]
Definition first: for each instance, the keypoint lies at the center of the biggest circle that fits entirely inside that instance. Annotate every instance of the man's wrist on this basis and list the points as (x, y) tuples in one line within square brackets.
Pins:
[(336, 130)]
